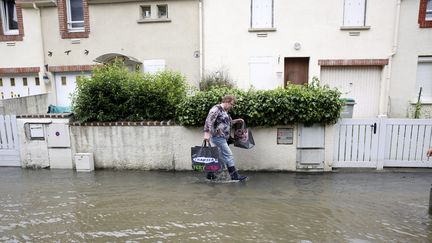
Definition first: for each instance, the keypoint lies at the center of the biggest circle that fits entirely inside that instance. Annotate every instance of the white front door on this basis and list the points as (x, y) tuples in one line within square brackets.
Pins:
[(65, 86), (360, 83)]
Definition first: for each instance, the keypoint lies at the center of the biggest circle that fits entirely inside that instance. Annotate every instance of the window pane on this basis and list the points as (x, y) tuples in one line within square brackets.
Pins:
[(429, 10), (37, 82), (163, 11), (24, 81), (12, 81), (12, 19), (77, 10), (146, 11)]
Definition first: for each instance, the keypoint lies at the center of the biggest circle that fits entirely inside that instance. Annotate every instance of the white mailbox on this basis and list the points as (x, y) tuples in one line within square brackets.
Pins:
[(84, 162), (36, 131), (58, 135)]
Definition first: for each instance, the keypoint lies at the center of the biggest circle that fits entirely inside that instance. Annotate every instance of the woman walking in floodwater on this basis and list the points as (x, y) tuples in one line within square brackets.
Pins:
[(217, 130)]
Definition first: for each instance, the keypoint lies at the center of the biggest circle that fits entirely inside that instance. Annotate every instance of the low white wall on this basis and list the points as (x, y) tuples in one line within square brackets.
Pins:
[(168, 147), (34, 104)]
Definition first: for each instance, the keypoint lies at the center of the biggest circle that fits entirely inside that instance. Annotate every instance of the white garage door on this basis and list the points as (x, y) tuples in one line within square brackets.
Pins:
[(359, 83), (65, 86)]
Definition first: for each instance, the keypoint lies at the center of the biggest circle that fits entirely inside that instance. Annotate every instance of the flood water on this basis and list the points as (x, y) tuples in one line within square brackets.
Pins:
[(138, 206)]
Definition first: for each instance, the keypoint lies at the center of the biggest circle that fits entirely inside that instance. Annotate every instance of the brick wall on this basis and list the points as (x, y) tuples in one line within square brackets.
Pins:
[(353, 62)]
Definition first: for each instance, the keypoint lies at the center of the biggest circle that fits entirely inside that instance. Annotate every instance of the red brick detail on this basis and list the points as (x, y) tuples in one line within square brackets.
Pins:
[(62, 14), (71, 68), (353, 62), (20, 35), (423, 23), (19, 70)]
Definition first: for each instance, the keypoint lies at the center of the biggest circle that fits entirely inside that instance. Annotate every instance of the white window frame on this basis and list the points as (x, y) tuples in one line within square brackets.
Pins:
[(253, 23), (5, 20), (428, 10), (345, 16), (69, 19)]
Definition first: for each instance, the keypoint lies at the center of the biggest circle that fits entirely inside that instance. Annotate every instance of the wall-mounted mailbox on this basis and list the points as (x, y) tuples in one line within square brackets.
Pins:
[(285, 135), (36, 131)]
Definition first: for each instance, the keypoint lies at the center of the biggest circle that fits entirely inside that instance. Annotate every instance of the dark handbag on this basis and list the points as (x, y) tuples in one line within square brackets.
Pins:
[(243, 137), (205, 158)]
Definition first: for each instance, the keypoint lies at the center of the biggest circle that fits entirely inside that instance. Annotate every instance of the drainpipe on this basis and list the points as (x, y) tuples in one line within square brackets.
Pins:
[(42, 45), (385, 105), (201, 38)]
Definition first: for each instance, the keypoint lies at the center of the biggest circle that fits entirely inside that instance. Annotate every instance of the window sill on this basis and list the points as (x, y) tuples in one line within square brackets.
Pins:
[(355, 27), (11, 38), (145, 21), (423, 101), (73, 35), (262, 29)]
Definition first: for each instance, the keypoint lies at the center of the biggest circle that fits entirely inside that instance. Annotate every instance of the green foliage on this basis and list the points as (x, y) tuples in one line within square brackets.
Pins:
[(113, 93), (306, 104), (216, 79)]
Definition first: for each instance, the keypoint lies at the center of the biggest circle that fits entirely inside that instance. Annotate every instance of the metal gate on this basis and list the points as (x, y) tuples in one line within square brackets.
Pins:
[(378, 143), (9, 144)]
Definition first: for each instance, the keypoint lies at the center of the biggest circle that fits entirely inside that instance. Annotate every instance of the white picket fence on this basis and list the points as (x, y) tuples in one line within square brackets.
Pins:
[(381, 142), (9, 144)]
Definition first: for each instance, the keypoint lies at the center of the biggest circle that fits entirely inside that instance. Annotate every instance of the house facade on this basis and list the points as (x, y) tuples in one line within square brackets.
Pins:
[(375, 52), (53, 42), (412, 62), (358, 46)]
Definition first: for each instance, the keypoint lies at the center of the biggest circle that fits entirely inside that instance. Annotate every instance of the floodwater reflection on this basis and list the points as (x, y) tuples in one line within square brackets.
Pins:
[(138, 206)]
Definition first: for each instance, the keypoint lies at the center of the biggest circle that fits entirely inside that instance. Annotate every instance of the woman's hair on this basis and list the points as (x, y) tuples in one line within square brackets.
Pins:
[(228, 98)]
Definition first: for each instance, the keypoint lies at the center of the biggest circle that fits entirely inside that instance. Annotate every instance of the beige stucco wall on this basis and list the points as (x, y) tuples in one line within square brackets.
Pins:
[(413, 42), (313, 24), (29, 51), (114, 29)]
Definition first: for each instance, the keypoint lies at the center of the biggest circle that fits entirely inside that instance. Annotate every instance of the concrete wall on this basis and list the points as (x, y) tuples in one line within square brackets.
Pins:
[(313, 24), (412, 43), (34, 104), (168, 147)]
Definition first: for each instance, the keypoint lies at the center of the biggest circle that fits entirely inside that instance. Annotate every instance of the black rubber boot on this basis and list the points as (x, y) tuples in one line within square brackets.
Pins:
[(211, 176), (235, 175)]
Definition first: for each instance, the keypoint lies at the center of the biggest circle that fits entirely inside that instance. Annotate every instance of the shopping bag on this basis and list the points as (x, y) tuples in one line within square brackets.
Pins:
[(205, 158), (243, 137)]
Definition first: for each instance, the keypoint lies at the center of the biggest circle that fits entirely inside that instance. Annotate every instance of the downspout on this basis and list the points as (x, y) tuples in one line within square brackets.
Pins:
[(201, 39), (386, 105), (42, 45)]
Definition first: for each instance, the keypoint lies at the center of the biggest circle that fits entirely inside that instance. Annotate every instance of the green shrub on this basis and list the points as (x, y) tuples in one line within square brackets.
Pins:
[(307, 104), (218, 79), (113, 93)]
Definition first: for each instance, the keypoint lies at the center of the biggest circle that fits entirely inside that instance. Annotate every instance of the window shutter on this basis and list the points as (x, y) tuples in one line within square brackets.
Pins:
[(424, 77), (262, 13), (354, 12), (261, 74)]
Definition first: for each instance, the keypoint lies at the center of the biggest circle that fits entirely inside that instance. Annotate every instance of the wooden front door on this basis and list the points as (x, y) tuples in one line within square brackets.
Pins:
[(296, 70)]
